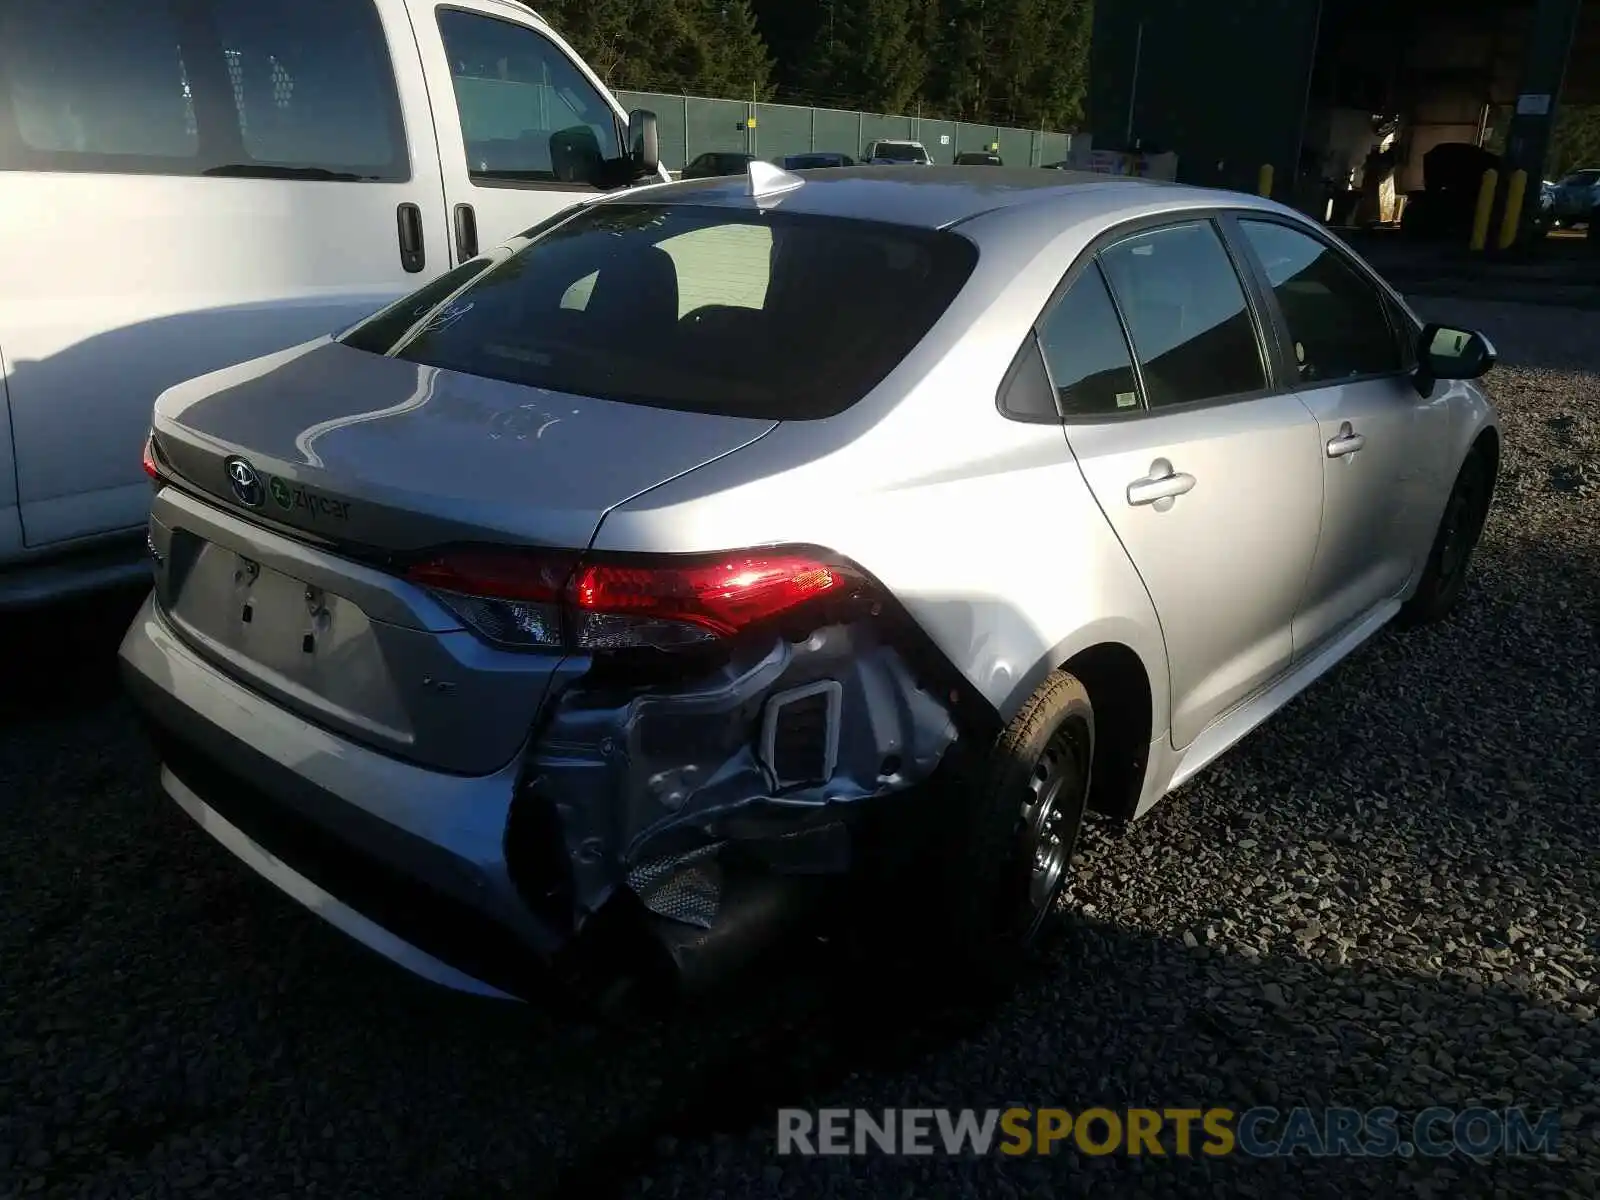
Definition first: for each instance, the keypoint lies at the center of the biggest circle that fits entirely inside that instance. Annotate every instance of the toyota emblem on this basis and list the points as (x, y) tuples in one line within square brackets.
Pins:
[(245, 482)]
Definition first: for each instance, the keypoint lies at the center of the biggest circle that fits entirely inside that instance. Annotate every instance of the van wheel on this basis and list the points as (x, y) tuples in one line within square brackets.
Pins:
[(1445, 576), (1006, 852)]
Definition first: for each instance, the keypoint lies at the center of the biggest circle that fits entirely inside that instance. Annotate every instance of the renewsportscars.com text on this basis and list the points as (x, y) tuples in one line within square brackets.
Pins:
[(1177, 1132)]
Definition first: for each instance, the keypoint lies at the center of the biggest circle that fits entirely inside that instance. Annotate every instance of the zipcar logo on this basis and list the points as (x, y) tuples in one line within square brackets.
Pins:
[(245, 482), (290, 496)]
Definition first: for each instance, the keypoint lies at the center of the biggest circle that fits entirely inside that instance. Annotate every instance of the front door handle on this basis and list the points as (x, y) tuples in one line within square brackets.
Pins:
[(466, 233), (1348, 442), (413, 254), (1162, 484)]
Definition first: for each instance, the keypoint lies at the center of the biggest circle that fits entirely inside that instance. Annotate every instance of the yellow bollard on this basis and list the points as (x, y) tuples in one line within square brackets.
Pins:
[(1515, 190), (1480, 219), (1264, 181)]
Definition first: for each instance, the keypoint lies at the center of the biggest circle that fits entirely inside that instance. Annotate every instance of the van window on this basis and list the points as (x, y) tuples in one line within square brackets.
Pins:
[(84, 77), (313, 86), (527, 113), (296, 89), (776, 316)]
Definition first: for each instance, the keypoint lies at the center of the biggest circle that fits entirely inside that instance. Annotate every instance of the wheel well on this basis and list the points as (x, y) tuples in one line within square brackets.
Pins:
[(1119, 691)]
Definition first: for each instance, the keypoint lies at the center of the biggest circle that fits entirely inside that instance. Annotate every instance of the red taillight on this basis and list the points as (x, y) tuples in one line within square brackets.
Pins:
[(152, 468), (721, 598), (531, 598)]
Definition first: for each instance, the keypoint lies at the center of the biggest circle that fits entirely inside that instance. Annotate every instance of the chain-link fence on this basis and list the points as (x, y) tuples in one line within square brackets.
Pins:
[(691, 126)]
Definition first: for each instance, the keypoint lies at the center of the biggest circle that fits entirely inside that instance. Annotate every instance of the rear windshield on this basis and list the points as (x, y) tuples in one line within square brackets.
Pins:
[(900, 152), (768, 315)]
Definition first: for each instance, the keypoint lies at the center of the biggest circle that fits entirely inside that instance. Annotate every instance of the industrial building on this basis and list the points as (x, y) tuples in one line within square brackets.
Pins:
[(1322, 89)]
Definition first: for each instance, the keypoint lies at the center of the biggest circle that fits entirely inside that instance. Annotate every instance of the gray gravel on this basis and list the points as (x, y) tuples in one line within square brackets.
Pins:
[(1388, 896)]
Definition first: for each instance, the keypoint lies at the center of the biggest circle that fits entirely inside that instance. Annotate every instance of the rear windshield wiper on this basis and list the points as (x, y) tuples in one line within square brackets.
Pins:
[(267, 171)]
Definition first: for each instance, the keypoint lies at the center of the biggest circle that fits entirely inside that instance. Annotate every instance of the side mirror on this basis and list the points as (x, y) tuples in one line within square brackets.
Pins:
[(644, 143), (1444, 352)]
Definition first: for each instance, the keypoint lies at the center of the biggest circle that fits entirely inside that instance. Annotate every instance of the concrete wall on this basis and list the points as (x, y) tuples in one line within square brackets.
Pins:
[(1230, 86)]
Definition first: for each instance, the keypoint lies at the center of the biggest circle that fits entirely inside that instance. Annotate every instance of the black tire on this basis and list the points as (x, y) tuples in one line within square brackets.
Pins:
[(1005, 853), (1445, 576)]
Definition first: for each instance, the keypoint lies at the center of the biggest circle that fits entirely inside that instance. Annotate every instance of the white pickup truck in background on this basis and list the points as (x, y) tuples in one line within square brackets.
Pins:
[(186, 184)]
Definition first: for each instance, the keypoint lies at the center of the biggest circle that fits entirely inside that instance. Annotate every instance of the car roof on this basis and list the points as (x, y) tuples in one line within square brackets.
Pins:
[(931, 198)]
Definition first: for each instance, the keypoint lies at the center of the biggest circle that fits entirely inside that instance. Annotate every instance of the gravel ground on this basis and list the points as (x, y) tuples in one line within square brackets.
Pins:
[(1388, 896)]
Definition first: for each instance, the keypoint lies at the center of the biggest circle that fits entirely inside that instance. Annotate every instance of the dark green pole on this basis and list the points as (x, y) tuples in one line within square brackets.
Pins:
[(1544, 68)]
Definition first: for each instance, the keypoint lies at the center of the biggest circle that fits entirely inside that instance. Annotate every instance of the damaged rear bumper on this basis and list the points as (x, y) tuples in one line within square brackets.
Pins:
[(710, 814)]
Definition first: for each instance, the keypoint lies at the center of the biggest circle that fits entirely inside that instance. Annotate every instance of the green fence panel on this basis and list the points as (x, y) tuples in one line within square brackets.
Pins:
[(690, 126), (839, 131), (1016, 148), (718, 125), (878, 127), (672, 125), (782, 129), (940, 139), (974, 137), (1054, 148)]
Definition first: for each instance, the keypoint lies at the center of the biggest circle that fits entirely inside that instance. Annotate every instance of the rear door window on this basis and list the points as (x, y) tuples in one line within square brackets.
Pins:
[(770, 315), (1187, 314), (528, 115), (313, 86)]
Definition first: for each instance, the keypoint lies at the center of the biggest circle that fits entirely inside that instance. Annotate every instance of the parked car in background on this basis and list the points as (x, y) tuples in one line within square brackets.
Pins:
[(714, 163), (978, 158), (1576, 196), (493, 631), (897, 153), (265, 174), (815, 160), (1544, 216)]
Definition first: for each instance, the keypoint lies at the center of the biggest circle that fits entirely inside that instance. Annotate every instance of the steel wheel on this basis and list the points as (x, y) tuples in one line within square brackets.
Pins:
[(1048, 820), (1463, 522)]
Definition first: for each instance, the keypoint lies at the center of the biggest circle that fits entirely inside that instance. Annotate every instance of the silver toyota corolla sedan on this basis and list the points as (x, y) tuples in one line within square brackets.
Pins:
[(629, 590)]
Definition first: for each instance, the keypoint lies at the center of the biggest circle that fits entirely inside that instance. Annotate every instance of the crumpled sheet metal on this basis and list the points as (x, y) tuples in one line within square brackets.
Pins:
[(648, 776)]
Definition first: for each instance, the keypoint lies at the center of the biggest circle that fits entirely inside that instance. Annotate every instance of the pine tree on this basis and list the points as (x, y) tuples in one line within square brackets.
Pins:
[(703, 47), (873, 51), (1005, 62), (726, 48)]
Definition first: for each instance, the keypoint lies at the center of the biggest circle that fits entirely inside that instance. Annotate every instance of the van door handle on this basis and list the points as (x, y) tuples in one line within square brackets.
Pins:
[(1348, 442), (413, 255), (1163, 483), (466, 232)]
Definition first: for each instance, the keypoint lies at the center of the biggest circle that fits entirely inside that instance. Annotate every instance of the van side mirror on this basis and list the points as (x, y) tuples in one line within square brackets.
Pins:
[(1444, 352), (644, 143)]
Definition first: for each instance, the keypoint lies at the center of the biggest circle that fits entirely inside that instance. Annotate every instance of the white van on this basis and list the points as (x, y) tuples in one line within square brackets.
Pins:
[(186, 184)]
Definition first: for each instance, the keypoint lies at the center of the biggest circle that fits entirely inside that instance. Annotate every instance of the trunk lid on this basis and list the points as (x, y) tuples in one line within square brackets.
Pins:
[(344, 449), (356, 448)]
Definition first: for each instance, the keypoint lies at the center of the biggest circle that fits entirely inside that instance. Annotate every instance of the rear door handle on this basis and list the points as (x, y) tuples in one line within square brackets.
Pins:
[(1163, 483), (413, 254), (466, 232), (1348, 442)]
